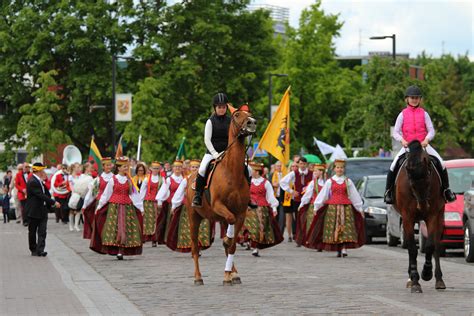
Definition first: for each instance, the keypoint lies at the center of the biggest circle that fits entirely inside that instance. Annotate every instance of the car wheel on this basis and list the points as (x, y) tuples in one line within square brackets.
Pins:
[(468, 243), (422, 242), (392, 241), (402, 237)]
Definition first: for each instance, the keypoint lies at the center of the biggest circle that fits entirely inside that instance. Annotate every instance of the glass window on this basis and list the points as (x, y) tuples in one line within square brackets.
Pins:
[(460, 179)]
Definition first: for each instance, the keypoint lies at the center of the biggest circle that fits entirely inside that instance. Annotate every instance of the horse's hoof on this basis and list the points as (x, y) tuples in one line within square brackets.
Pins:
[(198, 282), (427, 274), (236, 280), (416, 288), (227, 283), (409, 284), (227, 242), (440, 285)]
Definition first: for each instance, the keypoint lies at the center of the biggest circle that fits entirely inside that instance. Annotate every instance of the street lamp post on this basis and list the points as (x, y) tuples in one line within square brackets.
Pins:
[(393, 37), (270, 98), (114, 70)]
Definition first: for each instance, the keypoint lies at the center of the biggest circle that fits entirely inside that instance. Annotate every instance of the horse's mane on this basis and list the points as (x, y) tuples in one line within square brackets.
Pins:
[(414, 161)]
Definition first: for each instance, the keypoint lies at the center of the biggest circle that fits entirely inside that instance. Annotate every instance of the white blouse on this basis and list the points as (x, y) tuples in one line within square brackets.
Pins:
[(178, 196), (164, 191), (95, 183), (323, 196), (308, 194), (109, 190), (144, 187), (269, 195)]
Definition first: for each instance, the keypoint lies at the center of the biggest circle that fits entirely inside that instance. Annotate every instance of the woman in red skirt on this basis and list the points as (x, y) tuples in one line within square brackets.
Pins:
[(305, 213), (164, 197), (260, 227), (118, 220), (148, 193), (96, 188), (339, 222), (179, 232)]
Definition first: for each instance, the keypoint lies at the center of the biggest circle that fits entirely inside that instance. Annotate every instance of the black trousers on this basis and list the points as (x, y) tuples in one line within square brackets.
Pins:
[(64, 209), (37, 226)]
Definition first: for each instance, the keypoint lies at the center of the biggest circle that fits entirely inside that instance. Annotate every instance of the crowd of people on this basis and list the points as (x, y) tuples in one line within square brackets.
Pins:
[(131, 203)]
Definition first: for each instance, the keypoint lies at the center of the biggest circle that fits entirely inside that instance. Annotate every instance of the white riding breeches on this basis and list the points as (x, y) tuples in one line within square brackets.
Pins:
[(204, 163), (430, 150)]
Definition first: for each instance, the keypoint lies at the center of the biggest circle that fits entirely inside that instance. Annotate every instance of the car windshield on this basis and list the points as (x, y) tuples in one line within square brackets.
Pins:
[(356, 169), (375, 188), (460, 179)]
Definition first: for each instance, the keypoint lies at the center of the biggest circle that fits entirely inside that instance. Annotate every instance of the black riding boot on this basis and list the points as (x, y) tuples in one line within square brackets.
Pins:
[(200, 183), (388, 197), (448, 194)]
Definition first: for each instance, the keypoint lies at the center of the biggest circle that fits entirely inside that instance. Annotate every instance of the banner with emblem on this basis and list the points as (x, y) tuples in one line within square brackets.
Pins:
[(123, 107), (276, 139)]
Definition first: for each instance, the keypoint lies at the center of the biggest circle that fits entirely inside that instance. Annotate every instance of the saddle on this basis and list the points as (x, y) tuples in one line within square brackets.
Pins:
[(403, 158)]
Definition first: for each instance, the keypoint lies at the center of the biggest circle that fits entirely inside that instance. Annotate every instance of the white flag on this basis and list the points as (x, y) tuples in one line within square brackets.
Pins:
[(323, 147), (338, 153)]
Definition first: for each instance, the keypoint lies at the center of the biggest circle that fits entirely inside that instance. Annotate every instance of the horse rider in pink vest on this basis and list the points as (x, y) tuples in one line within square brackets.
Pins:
[(414, 123)]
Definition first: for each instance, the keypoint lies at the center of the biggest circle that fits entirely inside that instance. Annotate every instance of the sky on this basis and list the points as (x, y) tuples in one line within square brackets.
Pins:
[(433, 26)]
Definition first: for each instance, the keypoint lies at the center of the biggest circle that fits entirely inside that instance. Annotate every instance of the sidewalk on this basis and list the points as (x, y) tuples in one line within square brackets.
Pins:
[(60, 284)]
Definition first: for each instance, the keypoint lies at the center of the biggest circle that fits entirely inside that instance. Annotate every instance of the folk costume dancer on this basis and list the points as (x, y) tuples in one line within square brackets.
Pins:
[(79, 191), (260, 227), (414, 123), (148, 193), (179, 233), (305, 213), (118, 223), (338, 223), (94, 192), (301, 178), (164, 197)]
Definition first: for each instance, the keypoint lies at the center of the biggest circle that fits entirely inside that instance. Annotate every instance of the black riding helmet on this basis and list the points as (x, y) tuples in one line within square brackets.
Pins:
[(413, 91), (219, 98)]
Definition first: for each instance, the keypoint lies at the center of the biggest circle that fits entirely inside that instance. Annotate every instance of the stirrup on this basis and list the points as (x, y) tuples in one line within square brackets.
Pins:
[(197, 201), (388, 197), (449, 196)]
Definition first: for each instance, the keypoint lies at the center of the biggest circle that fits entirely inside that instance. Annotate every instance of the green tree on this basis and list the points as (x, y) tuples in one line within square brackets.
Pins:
[(321, 90), (38, 121)]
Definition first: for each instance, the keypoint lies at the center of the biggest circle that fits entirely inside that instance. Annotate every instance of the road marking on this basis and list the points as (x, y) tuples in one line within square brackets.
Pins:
[(402, 305)]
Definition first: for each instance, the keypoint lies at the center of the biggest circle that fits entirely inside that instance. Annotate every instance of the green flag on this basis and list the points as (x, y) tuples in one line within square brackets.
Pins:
[(181, 155)]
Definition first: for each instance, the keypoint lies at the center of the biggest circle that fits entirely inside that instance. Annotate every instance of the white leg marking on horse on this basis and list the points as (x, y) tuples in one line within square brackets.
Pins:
[(229, 263), (230, 231)]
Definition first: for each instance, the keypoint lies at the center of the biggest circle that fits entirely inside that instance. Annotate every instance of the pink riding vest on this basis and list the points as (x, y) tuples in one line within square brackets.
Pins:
[(414, 126)]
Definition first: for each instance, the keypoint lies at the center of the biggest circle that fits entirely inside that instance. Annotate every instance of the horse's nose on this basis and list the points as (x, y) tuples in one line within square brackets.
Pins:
[(252, 125)]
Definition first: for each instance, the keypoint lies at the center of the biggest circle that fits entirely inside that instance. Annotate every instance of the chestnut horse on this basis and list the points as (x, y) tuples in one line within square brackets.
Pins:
[(418, 196), (229, 195)]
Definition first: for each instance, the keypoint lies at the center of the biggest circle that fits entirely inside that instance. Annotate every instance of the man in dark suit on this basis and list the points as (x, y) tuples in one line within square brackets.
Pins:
[(38, 202)]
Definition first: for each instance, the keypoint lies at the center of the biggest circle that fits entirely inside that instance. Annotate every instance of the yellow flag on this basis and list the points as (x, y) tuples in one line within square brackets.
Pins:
[(276, 139)]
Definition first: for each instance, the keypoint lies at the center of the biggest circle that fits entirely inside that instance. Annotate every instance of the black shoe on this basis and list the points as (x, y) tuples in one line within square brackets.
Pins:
[(339, 254), (35, 254), (290, 239), (43, 254), (197, 201), (344, 254), (255, 254), (320, 250), (153, 244), (388, 197), (298, 245), (120, 256), (449, 196)]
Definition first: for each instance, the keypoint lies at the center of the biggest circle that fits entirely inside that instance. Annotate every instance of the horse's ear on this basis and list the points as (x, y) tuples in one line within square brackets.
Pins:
[(244, 107), (231, 108)]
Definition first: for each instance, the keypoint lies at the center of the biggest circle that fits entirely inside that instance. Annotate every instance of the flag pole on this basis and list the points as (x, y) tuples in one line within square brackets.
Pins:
[(139, 146)]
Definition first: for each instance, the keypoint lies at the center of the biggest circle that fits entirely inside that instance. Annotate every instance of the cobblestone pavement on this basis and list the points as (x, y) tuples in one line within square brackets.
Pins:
[(284, 280)]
